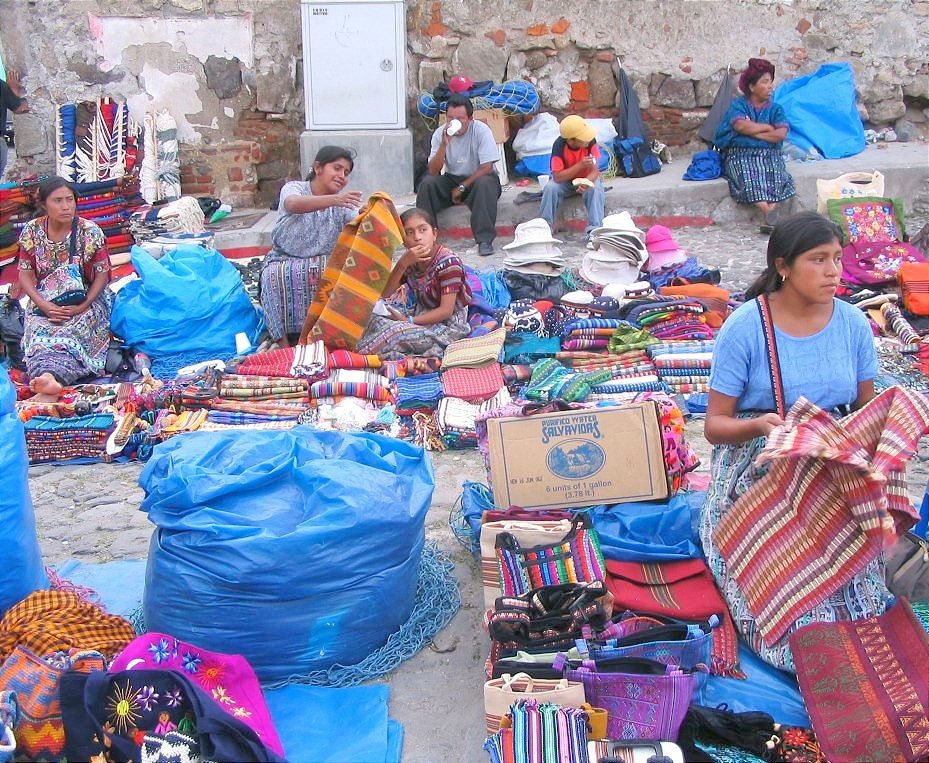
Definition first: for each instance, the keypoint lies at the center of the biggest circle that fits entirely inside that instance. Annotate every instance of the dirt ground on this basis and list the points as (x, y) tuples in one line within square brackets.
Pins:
[(91, 513)]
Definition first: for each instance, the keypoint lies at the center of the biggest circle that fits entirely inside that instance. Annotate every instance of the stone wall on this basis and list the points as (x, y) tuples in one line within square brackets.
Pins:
[(676, 51), (230, 70), (227, 70)]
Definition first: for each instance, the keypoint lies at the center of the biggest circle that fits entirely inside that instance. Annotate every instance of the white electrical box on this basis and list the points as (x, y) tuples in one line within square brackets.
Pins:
[(354, 64)]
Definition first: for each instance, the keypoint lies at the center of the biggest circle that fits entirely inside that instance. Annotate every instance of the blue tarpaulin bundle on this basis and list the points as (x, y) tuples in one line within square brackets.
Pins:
[(190, 300), (297, 549), (22, 571), (821, 111)]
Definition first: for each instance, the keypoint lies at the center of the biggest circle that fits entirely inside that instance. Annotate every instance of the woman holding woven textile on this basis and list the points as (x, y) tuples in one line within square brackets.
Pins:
[(310, 217), (750, 137), (430, 297), (64, 268), (826, 353)]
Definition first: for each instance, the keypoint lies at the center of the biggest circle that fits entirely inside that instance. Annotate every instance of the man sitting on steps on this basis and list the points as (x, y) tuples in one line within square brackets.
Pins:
[(468, 156)]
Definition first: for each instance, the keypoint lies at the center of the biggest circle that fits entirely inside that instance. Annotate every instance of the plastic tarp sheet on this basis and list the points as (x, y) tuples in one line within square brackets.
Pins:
[(303, 546), (326, 725), (190, 300), (119, 583), (21, 571), (766, 689), (821, 111), (349, 725), (650, 531)]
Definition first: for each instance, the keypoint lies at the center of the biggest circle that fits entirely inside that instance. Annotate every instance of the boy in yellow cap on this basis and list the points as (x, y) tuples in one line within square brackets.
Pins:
[(574, 170)]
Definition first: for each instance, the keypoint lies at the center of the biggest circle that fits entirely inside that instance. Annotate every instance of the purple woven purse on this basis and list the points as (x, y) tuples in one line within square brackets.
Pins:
[(640, 705)]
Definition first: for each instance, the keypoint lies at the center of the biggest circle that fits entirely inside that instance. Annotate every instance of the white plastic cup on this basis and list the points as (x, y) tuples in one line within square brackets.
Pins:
[(454, 127), (242, 343), (543, 180)]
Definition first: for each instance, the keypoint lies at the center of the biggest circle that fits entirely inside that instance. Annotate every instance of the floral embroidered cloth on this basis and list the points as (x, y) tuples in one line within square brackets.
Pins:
[(834, 498), (227, 678)]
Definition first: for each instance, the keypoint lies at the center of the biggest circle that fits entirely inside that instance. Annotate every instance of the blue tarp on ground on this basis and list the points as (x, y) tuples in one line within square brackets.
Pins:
[(821, 111), (345, 725)]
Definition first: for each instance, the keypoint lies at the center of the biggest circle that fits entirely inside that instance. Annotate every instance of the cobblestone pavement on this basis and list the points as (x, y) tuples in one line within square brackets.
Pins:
[(91, 513)]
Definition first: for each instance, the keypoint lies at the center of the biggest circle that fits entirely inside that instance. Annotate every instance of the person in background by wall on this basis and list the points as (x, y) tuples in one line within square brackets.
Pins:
[(468, 156), (750, 137), (574, 170), (311, 214), (11, 97)]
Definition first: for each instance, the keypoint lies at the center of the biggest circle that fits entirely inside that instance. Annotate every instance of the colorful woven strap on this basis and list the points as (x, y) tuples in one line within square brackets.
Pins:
[(770, 345)]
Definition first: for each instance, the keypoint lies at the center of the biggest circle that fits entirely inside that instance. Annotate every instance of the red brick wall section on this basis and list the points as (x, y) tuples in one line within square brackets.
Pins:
[(247, 171)]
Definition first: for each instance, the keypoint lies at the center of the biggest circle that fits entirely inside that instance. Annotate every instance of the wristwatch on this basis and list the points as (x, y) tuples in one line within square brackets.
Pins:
[(462, 187)]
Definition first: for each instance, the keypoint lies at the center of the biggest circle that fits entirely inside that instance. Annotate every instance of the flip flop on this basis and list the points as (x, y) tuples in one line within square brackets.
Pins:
[(765, 229)]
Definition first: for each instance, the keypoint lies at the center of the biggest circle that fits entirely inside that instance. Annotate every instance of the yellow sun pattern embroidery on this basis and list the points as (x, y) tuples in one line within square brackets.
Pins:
[(122, 707), (241, 712)]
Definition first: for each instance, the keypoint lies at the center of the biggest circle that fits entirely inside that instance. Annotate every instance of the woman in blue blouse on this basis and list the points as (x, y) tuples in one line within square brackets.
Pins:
[(826, 354), (750, 137)]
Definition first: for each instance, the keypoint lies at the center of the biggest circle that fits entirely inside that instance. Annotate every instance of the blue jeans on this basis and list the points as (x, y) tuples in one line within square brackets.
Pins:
[(554, 193)]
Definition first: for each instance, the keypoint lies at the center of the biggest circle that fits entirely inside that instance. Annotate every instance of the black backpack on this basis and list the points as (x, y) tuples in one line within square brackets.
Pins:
[(635, 158)]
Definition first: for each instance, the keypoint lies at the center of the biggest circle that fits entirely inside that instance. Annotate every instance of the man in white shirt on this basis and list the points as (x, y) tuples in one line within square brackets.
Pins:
[(468, 158)]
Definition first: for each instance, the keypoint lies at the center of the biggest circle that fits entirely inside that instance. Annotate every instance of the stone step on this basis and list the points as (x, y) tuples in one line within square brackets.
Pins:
[(665, 197)]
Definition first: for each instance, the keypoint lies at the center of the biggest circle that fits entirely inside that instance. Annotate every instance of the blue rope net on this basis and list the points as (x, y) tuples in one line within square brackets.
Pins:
[(514, 97), (167, 366), (436, 602)]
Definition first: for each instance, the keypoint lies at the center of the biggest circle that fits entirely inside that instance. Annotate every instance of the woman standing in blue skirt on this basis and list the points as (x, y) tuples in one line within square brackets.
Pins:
[(750, 137)]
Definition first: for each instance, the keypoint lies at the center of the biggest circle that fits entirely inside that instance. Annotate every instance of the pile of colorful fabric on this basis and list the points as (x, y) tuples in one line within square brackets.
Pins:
[(96, 140), (18, 204), (108, 203), (672, 318), (684, 366), (417, 393), (455, 418), (178, 217), (79, 437)]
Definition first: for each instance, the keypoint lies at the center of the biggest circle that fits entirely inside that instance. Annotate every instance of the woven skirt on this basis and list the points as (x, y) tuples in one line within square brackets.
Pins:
[(287, 286), (757, 174), (732, 472)]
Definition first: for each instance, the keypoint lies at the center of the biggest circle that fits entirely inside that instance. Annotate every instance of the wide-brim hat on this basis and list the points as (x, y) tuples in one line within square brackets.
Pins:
[(665, 259), (534, 252), (536, 231), (620, 221), (608, 251), (537, 268), (604, 273)]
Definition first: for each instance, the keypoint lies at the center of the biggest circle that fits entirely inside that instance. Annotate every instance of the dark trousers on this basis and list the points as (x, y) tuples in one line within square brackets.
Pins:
[(435, 194)]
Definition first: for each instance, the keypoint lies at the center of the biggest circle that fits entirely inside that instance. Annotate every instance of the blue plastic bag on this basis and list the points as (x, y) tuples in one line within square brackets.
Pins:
[(297, 549), (821, 111), (192, 299), (650, 531), (22, 571)]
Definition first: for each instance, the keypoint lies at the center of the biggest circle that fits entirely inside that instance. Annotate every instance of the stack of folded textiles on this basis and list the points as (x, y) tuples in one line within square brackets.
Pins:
[(360, 383), (50, 439), (550, 381), (259, 407), (672, 319), (455, 418), (108, 203), (589, 333), (18, 204), (262, 388), (221, 420), (183, 215), (417, 393), (685, 372)]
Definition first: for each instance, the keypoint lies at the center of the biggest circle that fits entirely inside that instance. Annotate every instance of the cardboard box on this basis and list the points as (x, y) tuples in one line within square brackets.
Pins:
[(493, 118), (579, 458)]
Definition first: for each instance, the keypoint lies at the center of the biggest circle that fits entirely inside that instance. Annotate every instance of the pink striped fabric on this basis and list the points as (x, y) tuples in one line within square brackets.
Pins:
[(834, 498)]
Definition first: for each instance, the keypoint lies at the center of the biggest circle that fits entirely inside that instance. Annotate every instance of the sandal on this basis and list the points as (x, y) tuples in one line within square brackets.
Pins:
[(766, 229)]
